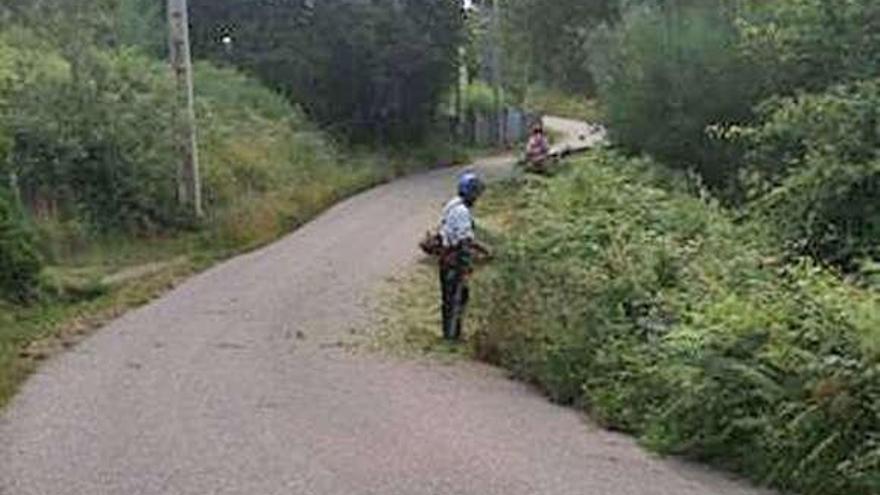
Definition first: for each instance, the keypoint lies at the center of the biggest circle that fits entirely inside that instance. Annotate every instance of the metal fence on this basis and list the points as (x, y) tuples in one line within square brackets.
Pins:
[(486, 129)]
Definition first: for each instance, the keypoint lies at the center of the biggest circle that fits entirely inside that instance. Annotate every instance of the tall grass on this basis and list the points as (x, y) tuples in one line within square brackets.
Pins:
[(266, 168)]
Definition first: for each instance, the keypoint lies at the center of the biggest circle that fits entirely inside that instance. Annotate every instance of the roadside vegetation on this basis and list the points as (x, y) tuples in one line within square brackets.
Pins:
[(711, 284), (769, 105), (663, 314), (618, 291), (89, 219)]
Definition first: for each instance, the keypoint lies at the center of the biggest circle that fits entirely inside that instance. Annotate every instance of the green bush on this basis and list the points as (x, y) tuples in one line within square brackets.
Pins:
[(479, 97), (21, 265), (545, 40), (665, 318), (665, 75), (95, 143), (815, 169), (811, 44), (91, 145), (23, 62), (73, 25)]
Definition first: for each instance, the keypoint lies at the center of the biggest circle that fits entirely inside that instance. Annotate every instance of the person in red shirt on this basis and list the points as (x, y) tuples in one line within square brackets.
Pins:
[(538, 148)]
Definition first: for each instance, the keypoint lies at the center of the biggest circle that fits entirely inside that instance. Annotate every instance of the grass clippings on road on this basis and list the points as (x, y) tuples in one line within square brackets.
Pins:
[(407, 322), (30, 336), (110, 277)]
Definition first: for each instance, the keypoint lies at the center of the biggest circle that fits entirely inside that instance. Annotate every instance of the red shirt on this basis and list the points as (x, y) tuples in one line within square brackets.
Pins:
[(538, 145)]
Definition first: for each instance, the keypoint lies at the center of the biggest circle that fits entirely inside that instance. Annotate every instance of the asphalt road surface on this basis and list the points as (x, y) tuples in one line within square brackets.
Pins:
[(235, 383)]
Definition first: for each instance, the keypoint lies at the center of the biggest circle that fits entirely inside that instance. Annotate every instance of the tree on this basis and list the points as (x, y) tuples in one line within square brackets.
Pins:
[(78, 23), (370, 69), (812, 44), (547, 39)]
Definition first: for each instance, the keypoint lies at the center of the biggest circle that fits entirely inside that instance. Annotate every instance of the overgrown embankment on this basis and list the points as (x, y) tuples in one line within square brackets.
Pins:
[(617, 291)]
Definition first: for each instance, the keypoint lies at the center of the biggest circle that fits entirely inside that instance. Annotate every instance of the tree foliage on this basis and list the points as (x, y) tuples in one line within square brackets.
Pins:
[(814, 165), (374, 70), (93, 142), (671, 74), (811, 44), (664, 75), (86, 112), (75, 25), (547, 41), (19, 278)]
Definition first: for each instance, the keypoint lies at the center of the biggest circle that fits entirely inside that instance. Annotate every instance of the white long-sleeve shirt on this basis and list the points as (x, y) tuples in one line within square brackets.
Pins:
[(457, 224)]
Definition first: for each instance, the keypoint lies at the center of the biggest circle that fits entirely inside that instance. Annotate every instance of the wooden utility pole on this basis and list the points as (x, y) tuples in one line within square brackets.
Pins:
[(460, 80), (189, 185)]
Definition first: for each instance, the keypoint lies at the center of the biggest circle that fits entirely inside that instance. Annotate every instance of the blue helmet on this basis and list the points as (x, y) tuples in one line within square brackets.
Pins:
[(470, 186)]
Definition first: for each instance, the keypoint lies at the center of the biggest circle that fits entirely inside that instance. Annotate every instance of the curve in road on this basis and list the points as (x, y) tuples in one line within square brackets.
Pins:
[(234, 383)]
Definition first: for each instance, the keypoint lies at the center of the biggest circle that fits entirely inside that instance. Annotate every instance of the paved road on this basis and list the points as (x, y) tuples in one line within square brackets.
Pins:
[(234, 384)]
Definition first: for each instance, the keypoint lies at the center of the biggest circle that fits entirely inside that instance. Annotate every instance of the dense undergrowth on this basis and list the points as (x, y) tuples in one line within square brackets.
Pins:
[(18, 256), (684, 81), (616, 290)]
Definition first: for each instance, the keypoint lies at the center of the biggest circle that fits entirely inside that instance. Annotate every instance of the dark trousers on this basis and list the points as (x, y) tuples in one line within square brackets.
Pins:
[(455, 294)]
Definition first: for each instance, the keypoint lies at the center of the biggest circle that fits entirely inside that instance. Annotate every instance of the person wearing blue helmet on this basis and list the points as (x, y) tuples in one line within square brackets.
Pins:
[(459, 246)]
